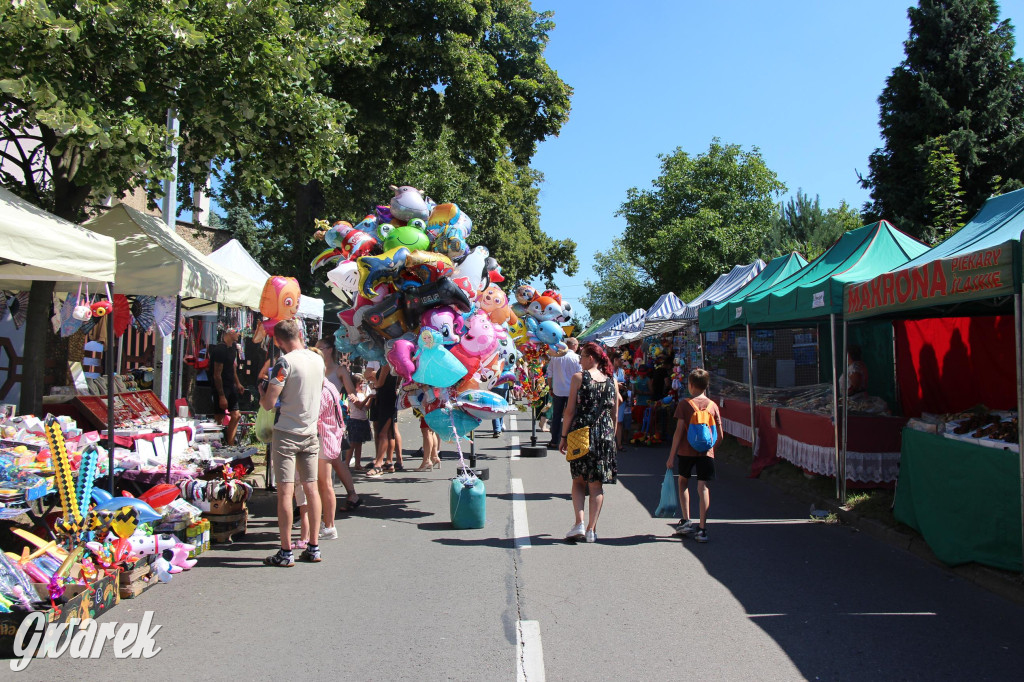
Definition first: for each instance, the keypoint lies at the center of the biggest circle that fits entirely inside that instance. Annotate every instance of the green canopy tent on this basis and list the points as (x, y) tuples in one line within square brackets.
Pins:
[(721, 315), (814, 294), (977, 271)]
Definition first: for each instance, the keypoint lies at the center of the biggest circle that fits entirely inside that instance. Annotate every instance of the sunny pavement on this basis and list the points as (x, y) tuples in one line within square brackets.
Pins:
[(403, 596)]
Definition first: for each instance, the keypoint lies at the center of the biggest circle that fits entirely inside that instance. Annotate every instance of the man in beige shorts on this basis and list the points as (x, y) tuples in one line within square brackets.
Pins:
[(295, 385)]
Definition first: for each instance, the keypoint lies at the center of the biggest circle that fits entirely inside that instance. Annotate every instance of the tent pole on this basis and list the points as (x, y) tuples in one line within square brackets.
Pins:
[(846, 418), (700, 339), (175, 352), (108, 360), (753, 405), (835, 402), (1020, 406)]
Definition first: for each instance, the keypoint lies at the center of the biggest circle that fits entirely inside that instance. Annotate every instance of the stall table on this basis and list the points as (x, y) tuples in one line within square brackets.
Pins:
[(808, 441), (939, 477)]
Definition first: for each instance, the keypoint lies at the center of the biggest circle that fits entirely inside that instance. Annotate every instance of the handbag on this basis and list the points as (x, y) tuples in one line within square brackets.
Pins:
[(578, 442)]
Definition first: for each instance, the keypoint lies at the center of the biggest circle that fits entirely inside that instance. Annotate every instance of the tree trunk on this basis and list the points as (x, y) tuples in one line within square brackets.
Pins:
[(37, 332)]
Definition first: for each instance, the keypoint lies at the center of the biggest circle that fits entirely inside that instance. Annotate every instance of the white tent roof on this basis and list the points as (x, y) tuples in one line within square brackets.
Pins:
[(662, 317), (235, 257), (629, 327), (725, 286), (36, 245), (605, 327), (153, 261)]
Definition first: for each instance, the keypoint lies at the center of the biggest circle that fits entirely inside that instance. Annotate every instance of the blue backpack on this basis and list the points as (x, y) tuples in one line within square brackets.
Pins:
[(702, 432)]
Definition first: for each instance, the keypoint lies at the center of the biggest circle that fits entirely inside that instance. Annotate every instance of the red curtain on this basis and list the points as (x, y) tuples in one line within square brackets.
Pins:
[(954, 363)]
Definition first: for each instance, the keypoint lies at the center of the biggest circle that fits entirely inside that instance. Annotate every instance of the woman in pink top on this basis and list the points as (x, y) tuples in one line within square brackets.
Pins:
[(331, 429)]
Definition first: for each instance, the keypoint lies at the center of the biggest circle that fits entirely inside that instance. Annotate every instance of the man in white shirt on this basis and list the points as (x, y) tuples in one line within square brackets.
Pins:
[(560, 371)]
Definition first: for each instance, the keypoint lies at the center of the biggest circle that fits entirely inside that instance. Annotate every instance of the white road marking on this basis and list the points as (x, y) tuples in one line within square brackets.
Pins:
[(529, 652), (515, 447), (520, 525), (513, 423), (893, 613)]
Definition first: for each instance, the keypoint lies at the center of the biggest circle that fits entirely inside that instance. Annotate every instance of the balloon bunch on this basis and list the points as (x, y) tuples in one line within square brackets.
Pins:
[(430, 305), (279, 301)]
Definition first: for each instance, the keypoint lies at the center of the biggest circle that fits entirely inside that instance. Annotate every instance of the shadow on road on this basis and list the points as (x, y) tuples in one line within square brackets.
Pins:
[(841, 605)]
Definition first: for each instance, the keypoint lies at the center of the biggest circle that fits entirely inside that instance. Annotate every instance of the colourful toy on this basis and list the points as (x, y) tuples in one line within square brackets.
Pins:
[(385, 320), (452, 241), (446, 320), (443, 292), (448, 216), (166, 546), (377, 269), (412, 236), (101, 308), (86, 475), (72, 521), (353, 242), (280, 298), (480, 338), (483, 404), (399, 354), (547, 332), (450, 423), (424, 267), (436, 366), (408, 203), (160, 495), (144, 512), (472, 269), (495, 303)]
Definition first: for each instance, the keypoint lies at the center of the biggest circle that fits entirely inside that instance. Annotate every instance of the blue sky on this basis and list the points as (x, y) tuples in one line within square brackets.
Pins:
[(798, 79)]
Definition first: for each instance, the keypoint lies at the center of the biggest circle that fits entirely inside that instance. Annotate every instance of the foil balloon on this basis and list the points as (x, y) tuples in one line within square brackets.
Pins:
[(436, 366), (425, 267), (385, 268), (495, 303), (280, 298), (446, 320), (352, 241), (471, 269), (386, 320), (483, 404), (408, 204), (412, 236), (443, 292), (345, 276), (450, 423), (399, 355)]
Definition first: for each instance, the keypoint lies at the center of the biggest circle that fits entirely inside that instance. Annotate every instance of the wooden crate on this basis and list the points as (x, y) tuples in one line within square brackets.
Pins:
[(138, 586), (140, 569), (225, 529)]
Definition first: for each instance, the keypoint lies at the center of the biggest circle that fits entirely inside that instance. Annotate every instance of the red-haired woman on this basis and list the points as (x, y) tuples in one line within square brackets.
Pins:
[(593, 402)]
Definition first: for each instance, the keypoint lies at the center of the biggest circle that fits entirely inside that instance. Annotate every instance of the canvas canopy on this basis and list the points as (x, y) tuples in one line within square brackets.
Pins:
[(722, 314), (724, 287), (980, 262), (36, 245), (816, 291), (627, 327), (153, 261), (604, 328), (594, 326), (233, 256), (662, 317)]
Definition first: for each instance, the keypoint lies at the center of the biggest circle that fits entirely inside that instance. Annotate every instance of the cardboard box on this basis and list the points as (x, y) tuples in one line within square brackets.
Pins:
[(79, 601)]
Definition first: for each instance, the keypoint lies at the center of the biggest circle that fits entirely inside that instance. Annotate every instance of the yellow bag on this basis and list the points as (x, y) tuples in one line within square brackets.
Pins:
[(578, 443)]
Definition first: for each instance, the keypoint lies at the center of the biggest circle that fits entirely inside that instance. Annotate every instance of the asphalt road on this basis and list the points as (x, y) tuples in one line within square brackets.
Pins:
[(403, 596)]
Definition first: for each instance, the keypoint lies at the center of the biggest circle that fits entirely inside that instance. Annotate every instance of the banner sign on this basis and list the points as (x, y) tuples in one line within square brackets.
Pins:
[(976, 275)]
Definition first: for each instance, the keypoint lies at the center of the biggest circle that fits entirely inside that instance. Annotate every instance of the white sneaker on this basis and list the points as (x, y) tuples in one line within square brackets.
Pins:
[(328, 533), (576, 533), (591, 536), (685, 529)]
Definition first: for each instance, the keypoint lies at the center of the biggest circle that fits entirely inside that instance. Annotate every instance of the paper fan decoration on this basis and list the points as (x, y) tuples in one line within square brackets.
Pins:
[(68, 324), (122, 314), (3, 304), (142, 313), (19, 308), (163, 314)]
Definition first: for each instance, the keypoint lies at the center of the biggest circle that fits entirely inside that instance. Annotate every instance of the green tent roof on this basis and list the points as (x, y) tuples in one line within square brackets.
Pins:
[(721, 315), (961, 276), (816, 291)]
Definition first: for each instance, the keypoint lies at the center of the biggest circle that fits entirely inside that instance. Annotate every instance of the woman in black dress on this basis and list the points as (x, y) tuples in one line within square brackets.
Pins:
[(593, 402)]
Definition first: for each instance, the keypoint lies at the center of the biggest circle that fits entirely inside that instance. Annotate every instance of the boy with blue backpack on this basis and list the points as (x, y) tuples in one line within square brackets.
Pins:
[(698, 429)]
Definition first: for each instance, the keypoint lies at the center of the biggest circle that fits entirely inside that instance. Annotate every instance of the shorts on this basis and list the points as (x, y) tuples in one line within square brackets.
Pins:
[(358, 431), (295, 455), (705, 467), (625, 417), (232, 401)]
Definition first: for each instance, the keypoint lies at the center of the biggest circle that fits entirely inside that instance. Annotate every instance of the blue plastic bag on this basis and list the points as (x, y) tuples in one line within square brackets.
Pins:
[(466, 502), (668, 507)]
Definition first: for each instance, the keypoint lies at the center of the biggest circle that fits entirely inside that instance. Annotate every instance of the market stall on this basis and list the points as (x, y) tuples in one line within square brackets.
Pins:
[(957, 313), (152, 261), (813, 295), (603, 329)]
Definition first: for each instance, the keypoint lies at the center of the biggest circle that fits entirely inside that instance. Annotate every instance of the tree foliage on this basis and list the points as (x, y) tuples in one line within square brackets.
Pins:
[(453, 98), (959, 80), (86, 86), (802, 226), (946, 212), (703, 214), (620, 286)]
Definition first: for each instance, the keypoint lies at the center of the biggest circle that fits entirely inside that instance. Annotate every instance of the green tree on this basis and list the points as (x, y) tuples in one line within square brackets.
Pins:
[(946, 212), (462, 79), (703, 215), (620, 286), (802, 226), (85, 87), (959, 79)]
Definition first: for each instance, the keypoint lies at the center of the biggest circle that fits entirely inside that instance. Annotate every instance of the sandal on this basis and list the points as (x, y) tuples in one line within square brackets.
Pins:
[(352, 506), (389, 469), (374, 472)]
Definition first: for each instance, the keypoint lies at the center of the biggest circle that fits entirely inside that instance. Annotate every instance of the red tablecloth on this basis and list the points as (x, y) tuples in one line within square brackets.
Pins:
[(808, 440)]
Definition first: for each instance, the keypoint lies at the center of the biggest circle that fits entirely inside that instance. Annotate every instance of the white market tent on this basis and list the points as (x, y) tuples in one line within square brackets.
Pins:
[(36, 245), (233, 256), (725, 286), (153, 261)]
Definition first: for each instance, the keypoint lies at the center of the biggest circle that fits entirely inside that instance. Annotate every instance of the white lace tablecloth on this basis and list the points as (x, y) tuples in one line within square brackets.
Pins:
[(863, 467)]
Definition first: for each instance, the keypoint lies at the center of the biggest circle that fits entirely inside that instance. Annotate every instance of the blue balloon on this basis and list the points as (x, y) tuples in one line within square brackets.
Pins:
[(146, 512), (99, 496)]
